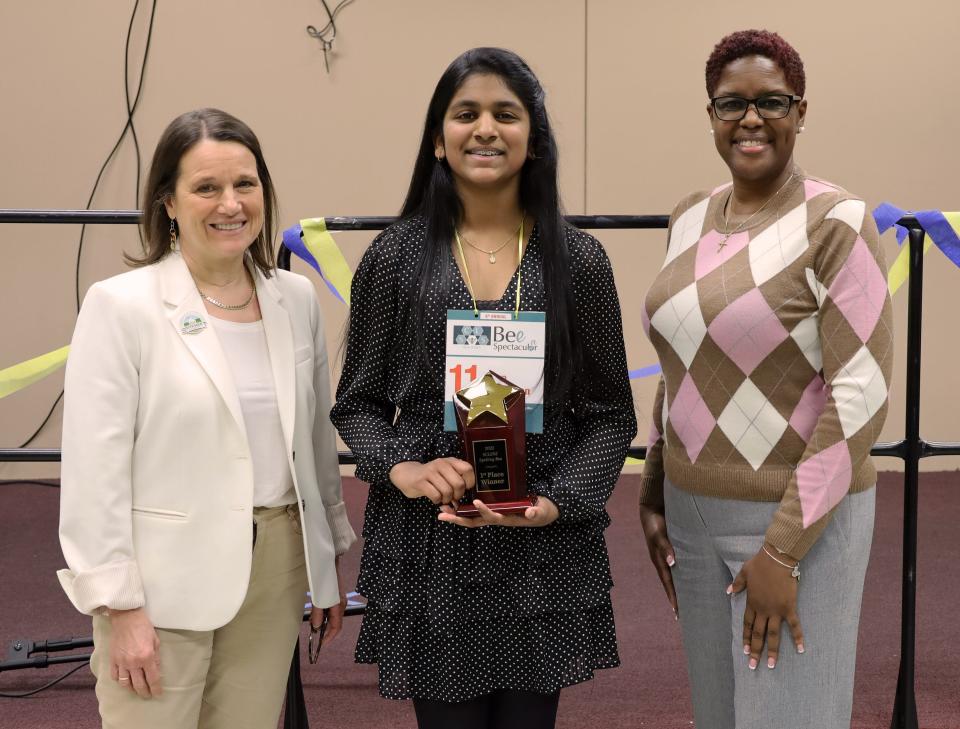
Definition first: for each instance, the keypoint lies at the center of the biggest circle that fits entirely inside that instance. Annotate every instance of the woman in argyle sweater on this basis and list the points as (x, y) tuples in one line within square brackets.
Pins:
[(772, 322)]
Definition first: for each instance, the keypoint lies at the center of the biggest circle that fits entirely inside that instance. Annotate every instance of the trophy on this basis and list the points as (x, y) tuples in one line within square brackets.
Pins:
[(491, 421)]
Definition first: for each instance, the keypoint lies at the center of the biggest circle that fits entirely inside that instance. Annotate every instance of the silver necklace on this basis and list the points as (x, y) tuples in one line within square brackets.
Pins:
[(726, 213), (492, 255)]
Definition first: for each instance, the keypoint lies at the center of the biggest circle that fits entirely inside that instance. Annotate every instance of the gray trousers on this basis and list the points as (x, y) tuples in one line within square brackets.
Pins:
[(712, 539)]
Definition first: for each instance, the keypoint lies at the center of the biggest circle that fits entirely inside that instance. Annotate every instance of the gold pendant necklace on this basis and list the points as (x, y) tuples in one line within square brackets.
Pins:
[(492, 255), (466, 269), (726, 213)]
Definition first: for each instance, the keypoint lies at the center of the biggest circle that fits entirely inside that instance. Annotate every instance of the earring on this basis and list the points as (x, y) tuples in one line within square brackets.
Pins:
[(712, 132), (800, 129), (440, 157), (173, 236)]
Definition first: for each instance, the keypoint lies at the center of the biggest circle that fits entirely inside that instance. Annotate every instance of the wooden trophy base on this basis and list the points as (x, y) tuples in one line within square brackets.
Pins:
[(503, 507)]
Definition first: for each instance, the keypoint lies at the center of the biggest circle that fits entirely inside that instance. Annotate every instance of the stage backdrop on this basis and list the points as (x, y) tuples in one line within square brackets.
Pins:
[(625, 90)]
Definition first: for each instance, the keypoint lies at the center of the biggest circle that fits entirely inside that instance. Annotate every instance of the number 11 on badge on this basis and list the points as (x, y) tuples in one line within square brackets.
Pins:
[(459, 371), (513, 345)]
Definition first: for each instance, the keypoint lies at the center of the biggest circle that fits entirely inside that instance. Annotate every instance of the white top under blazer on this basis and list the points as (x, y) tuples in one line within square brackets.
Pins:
[(245, 347), (157, 479)]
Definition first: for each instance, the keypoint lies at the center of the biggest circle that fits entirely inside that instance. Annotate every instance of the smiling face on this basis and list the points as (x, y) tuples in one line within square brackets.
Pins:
[(217, 201), (758, 151), (486, 132)]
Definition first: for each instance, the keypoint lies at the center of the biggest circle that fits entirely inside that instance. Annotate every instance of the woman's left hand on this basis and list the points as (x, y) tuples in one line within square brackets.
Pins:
[(541, 514), (771, 599), (334, 614)]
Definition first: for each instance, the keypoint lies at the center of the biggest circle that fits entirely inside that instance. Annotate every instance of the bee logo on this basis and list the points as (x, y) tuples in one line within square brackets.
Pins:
[(472, 335)]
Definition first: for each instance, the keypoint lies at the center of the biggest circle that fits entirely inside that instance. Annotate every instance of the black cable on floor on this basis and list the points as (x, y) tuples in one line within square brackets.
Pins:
[(54, 682), (29, 482)]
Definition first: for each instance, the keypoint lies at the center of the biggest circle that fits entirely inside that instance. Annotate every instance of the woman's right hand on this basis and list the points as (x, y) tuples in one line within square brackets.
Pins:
[(654, 526), (442, 480), (135, 652)]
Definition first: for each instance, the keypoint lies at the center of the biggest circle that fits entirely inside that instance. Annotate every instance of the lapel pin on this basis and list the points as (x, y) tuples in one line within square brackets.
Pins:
[(191, 323)]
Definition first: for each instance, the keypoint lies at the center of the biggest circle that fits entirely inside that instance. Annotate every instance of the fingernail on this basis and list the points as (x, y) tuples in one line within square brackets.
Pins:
[(800, 648), (753, 664), (746, 650), (771, 663), (676, 615), (670, 560), (729, 589)]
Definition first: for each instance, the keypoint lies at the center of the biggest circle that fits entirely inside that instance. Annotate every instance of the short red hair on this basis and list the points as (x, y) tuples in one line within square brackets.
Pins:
[(764, 43)]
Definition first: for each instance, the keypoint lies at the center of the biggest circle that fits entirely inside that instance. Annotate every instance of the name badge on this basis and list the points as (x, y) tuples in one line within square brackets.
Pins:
[(191, 323), (498, 341)]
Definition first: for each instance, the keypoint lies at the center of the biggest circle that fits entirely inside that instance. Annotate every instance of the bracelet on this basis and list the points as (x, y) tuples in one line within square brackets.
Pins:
[(794, 569)]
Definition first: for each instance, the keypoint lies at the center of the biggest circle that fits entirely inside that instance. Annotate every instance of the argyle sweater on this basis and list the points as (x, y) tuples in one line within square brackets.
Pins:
[(776, 349)]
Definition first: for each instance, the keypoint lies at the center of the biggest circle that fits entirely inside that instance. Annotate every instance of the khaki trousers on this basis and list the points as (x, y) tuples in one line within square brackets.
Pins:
[(233, 676)]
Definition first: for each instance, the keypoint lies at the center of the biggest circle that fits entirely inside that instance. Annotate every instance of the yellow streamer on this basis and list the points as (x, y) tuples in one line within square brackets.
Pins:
[(320, 243), (631, 461), (21, 375), (954, 220), (900, 270)]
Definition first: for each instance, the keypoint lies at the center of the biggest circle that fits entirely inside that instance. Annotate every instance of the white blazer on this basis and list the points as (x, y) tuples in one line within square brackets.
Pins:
[(156, 505)]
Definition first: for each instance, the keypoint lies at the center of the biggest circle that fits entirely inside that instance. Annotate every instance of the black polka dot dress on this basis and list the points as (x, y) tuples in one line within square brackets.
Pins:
[(457, 613)]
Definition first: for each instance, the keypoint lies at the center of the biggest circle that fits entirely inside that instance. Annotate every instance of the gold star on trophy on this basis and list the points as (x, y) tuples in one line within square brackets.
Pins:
[(487, 396)]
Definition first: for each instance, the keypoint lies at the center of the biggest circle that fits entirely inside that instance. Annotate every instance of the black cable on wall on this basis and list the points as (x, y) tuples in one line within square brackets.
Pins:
[(130, 128)]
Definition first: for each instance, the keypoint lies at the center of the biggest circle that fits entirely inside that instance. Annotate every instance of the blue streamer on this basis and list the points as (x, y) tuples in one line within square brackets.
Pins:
[(292, 239), (645, 372), (934, 223), (886, 216), (941, 233)]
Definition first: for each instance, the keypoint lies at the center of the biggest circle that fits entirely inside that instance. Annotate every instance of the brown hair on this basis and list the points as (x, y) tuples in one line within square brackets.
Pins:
[(177, 139)]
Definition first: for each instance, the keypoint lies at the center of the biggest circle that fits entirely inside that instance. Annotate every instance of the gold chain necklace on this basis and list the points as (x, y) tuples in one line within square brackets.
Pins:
[(492, 254), (726, 213), (228, 307)]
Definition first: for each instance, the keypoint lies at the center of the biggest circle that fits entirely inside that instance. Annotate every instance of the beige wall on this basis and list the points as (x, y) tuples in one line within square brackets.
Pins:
[(625, 92)]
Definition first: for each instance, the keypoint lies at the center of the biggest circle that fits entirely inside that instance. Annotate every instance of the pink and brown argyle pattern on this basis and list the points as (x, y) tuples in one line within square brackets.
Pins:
[(776, 347)]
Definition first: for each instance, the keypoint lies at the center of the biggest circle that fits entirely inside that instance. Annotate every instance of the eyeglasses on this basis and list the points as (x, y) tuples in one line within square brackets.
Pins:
[(768, 106), (316, 640)]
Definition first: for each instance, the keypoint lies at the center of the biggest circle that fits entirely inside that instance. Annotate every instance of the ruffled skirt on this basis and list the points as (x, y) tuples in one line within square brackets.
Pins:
[(456, 613)]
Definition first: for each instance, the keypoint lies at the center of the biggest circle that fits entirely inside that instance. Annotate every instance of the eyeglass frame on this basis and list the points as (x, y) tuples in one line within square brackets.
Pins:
[(315, 642), (794, 99)]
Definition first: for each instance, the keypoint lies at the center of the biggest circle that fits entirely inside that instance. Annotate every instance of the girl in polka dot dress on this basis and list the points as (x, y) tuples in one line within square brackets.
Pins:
[(482, 621)]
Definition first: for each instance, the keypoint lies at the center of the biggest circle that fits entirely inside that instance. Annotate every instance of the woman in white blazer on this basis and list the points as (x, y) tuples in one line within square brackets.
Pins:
[(201, 494)]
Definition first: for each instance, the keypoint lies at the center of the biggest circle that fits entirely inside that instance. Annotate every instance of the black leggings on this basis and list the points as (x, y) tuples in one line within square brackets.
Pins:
[(499, 710)]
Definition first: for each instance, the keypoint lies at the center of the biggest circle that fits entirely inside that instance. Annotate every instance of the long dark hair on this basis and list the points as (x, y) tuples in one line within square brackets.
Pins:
[(177, 139), (433, 196)]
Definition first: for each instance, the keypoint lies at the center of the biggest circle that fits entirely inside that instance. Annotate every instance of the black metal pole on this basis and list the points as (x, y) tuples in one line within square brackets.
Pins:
[(295, 716), (905, 704), (29, 455), (113, 217), (67, 217), (895, 449)]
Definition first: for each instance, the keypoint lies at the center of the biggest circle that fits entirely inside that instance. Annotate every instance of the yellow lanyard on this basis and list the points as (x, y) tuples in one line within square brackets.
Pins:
[(466, 270)]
